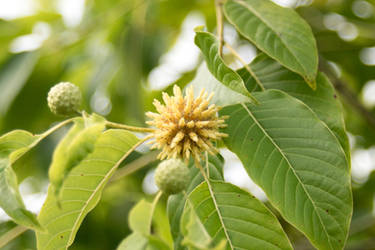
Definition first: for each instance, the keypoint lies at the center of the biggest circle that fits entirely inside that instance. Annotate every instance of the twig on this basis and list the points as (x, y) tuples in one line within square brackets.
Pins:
[(134, 166), (246, 65), (127, 127), (346, 93), (12, 234), (153, 206), (44, 135), (219, 23)]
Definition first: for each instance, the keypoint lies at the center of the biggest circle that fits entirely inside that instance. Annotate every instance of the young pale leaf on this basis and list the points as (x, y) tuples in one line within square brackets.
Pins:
[(277, 31), (137, 241), (81, 190), (76, 145), (140, 217), (297, 161), (209, 46), (223, 95), (176, 203), (193, 230), (323, 101), (195, 235), (140, 221), (12, 146), (230, 213)]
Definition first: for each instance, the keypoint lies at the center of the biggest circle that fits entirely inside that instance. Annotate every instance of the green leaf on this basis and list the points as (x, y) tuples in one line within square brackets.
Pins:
[(137, 241), (82, 189), (323, 101), (12, 146), (277, 31), (195, 235), (297, 161), (223, 95), (140, 221), (176, 203), (230, 213), (140, 217), (13, 76), (134, 241), (76, 145), (209, 46)]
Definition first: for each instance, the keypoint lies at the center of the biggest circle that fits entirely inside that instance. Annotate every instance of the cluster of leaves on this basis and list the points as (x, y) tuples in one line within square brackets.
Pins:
[(286, 125)]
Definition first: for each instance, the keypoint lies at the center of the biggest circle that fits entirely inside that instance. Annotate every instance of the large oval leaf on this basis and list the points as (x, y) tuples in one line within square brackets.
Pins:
[(323, 101), (297, 161), (279, 32), (209, 46), (13, 145), (230, 213), (176, 203), (82, 189)]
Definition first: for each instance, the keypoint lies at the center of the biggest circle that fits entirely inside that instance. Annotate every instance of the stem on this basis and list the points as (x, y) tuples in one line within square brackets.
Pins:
[(54, 128), (126, 127), (219, 23), (207, 167), (12, 234), (44, 135), (153, 206), (137, 145), (247, 67), (198, 164), (135, 165)]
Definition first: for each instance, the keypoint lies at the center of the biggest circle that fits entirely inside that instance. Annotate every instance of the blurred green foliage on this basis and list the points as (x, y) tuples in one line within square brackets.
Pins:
[(110, 54)]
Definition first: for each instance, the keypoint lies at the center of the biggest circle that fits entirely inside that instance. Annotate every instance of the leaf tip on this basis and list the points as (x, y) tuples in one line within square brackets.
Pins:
[(311, 83)]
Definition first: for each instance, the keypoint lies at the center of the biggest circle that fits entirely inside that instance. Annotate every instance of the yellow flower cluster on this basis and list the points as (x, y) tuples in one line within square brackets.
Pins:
[(185, 126)]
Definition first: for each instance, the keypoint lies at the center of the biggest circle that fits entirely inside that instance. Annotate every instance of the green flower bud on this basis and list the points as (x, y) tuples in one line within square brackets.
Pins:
[(64, 99), (172, 176)]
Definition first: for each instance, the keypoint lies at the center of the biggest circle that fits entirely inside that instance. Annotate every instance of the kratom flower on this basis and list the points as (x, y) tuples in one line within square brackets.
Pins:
[(185, 126)]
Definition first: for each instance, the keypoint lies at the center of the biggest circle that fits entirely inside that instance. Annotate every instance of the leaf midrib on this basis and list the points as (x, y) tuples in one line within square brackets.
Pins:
[(106, 177), (268, 25), (292, 169), (219, 213)]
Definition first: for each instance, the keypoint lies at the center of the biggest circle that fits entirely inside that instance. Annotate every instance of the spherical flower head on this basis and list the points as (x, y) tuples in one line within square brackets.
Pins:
[(185, 126), (172, 176), (64, 99)]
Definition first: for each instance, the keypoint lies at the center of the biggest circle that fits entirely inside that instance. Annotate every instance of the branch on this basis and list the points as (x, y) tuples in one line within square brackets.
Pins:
[(127, 127), (347, 94), (134, 166), (11, 235), (219, 23)]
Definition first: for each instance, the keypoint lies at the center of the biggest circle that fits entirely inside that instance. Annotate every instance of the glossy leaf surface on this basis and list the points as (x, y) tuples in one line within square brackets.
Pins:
[(297, 161), (230, 213), (277, 31)]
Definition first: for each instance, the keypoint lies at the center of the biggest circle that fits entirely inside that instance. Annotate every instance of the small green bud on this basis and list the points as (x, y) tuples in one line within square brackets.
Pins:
[(172, 176), (64, 99)]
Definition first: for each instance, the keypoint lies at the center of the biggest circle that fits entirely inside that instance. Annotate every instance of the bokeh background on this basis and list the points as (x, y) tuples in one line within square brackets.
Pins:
[(123, 53)]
